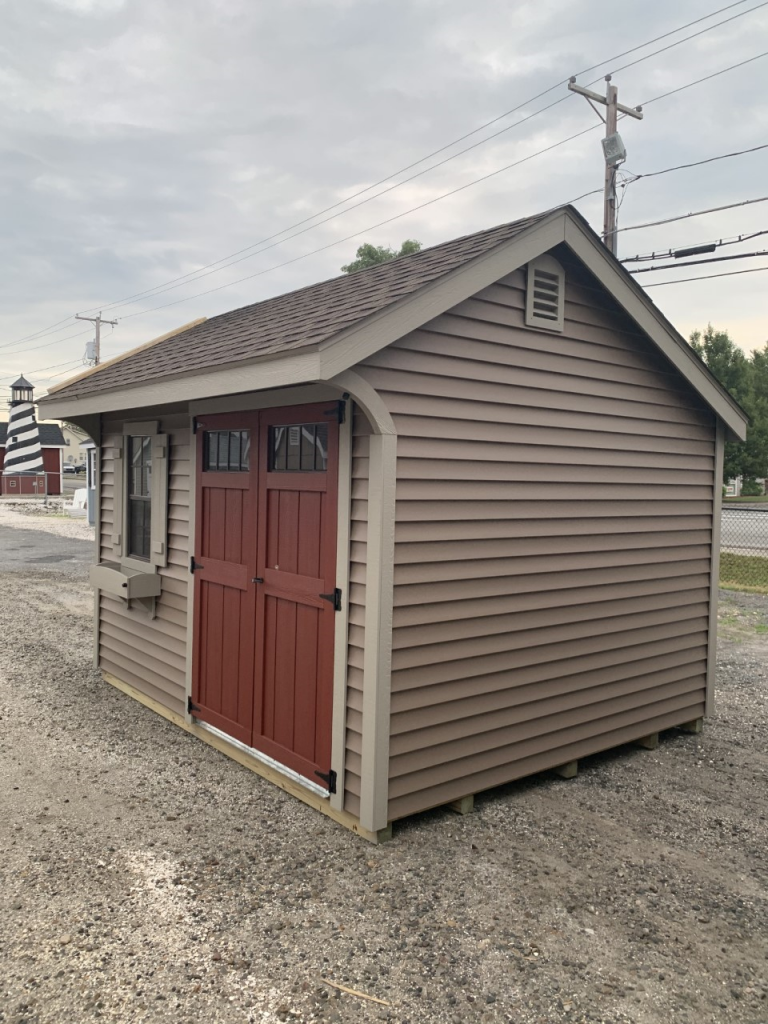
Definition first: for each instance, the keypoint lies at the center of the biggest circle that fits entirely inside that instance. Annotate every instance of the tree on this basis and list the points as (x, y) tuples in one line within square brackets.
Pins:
[(372, 255), (746, 379)]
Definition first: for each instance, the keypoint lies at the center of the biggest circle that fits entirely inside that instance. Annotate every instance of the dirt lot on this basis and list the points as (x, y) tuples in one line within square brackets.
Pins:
[(144, 877)]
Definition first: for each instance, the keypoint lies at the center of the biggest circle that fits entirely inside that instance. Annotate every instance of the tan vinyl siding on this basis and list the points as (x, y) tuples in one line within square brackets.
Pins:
[(553, 541), (150, 654), (358, 538)]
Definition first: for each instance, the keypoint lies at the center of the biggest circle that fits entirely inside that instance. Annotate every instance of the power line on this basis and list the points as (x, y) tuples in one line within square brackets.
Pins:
[(707, 78), (673, 250), (698, 163), (47, 344), (412, 210), (42, 381), (697, 263), (371, 227), (195, 275), (697, 213), (229, 261), (705, 277), (54, 366)]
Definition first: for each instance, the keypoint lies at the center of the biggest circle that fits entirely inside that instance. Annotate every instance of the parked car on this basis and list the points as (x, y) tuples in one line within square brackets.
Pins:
[(80, 467), (70, 468)]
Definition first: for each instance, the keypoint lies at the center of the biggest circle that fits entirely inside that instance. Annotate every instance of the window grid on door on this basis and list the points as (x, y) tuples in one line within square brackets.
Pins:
[(298, 448), (226, 451)]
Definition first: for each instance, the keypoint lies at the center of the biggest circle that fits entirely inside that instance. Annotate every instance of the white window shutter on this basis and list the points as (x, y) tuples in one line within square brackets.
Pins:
[(159, 541), (545, 294), (118, 502)]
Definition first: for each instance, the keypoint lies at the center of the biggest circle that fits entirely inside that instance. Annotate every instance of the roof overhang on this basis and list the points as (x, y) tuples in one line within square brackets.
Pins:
[(345, 350)]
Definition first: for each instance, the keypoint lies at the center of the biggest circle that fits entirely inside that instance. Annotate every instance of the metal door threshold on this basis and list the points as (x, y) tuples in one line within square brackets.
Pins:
[(269, 761)]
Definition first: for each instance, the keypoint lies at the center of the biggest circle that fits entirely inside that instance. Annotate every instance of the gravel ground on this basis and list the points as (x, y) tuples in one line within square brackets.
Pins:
[(51, 518), (144, 877)]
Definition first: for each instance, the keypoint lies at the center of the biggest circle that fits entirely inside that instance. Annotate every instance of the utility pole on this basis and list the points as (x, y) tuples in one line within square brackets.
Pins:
[(613, 149), (97, 341)]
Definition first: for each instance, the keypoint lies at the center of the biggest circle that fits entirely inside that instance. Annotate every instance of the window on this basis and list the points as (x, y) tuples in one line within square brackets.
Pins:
[(298, 448), (545, 298), (139, 504), (140, 496), (227, 451)]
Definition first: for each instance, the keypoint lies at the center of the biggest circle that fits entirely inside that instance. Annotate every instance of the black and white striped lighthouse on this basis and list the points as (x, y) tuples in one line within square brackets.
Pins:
[(23, 454)]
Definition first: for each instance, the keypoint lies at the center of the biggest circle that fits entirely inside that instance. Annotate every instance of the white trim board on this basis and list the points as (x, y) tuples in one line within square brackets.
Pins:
[(348, 348)]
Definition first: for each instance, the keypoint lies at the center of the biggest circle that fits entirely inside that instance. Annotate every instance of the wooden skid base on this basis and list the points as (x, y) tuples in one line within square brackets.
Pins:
[(567, 771), (314, 800), (696, 726), (650, 742), (463, 806)]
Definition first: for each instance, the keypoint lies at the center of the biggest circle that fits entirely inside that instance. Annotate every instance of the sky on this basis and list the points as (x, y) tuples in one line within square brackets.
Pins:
[(143, 140)]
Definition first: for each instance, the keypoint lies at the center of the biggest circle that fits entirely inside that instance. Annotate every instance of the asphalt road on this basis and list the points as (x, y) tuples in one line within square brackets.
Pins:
[(745, 530), (36, 548), (72, 482)]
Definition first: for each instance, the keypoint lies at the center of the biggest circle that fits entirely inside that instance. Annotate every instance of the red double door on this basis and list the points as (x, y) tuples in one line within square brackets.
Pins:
[(265, 567)]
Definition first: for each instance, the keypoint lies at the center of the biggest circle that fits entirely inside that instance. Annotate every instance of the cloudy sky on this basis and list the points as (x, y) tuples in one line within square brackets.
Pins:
[(145, 139)]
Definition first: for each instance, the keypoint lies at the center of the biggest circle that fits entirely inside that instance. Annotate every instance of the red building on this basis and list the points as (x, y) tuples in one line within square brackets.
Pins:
[(49, 481)]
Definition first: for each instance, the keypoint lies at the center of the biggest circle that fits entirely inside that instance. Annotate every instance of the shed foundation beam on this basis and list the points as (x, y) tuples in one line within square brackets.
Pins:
[(567, 771), (463, 806), (696, 726), (649, 742)]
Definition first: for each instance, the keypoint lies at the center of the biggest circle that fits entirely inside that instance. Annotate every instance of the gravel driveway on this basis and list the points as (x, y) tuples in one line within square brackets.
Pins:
[(146, 878)]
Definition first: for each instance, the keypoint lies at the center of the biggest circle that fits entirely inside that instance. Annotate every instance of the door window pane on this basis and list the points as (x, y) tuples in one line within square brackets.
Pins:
[(226, 451), (298, 448)]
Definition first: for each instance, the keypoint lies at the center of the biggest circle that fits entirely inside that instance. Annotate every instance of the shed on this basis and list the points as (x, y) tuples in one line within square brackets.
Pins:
[(52, 445), (409, 534)]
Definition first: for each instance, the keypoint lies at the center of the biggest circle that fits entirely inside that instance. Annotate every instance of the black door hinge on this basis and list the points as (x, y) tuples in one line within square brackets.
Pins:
[(194, 565), (329, 778), (191, 708), (334, 598), (338, 410)]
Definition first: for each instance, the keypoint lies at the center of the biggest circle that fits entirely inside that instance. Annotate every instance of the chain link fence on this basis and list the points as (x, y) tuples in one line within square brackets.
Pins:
[(744, 547)]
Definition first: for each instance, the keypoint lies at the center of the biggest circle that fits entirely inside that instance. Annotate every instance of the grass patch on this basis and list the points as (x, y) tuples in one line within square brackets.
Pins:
[(744, 498), (744, 572)]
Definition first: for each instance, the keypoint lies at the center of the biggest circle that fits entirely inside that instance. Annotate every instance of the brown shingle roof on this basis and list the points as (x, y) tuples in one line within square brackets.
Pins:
[(295, 320)]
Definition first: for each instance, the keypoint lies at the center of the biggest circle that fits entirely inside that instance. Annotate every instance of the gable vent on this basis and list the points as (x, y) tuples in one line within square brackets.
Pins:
[(545, 300)]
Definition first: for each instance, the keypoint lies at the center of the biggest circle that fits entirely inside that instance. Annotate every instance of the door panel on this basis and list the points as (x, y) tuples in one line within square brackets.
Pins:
[(265, 554), (225, 557), (297, 561)]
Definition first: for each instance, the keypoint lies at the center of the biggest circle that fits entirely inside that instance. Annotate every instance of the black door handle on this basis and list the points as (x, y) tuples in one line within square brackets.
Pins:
[(257, 579)]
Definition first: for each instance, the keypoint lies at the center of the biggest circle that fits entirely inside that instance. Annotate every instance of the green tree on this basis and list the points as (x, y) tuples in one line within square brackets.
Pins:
[(746, 379), (372, 255)]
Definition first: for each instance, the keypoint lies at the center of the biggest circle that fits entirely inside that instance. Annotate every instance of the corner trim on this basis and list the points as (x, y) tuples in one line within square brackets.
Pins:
[(377, 662), (714, 579)]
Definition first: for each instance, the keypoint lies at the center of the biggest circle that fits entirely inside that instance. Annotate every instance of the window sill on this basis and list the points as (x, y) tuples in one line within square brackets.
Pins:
[(126, 583)]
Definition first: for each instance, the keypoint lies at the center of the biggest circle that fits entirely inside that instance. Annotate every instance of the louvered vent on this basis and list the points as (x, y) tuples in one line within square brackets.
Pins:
[(545, 300)]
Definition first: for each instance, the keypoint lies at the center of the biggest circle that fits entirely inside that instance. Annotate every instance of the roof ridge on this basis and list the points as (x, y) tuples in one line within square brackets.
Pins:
[(305, 317), (387, 264)]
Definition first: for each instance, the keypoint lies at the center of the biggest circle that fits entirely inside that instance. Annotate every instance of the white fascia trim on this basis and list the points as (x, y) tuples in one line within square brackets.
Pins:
[(593, 255), (276, 372), (350, 347), (339, 353)]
